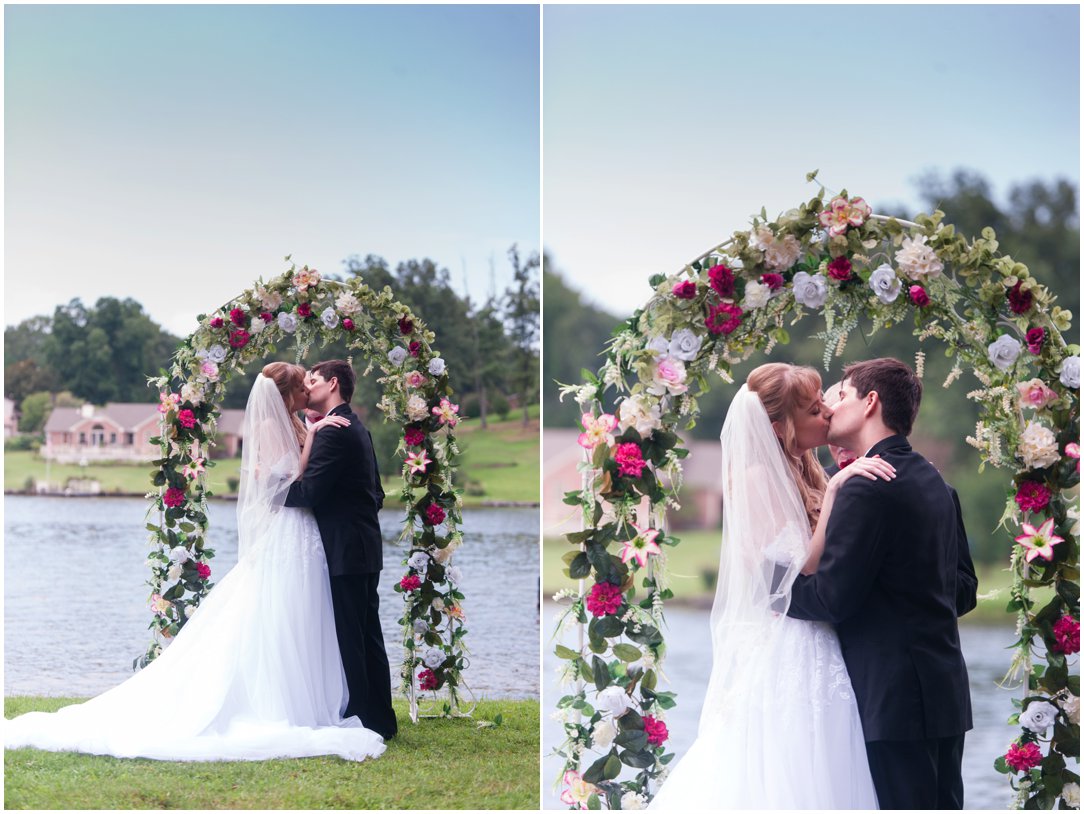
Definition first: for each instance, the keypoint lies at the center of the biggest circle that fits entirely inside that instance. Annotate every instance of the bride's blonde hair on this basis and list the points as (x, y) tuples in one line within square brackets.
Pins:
[(286, 377), (784, 390)]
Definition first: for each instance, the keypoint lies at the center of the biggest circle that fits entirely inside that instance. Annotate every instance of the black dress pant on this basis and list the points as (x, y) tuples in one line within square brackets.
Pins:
[(361, 645), (921, 774)]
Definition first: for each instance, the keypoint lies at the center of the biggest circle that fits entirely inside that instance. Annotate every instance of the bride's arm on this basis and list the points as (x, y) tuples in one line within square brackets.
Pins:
[(871, 468), (329, 421)]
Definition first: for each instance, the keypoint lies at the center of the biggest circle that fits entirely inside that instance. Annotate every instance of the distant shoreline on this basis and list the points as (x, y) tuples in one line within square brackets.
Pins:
[(468, 504)]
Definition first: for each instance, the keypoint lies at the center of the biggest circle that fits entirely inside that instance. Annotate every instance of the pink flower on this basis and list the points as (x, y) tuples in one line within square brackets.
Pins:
[(414, 437), (723, 318), (405, 326), (842, 214), (446, 412), (173, 497), (596, 430), (193, 469), (1035, 338), (1072, 450), (427, 680), (1040, 541), (217, 322), (1019, 300), (204, 570), (685, 290), (722, 280), (668, 377), (348, 324), (411, 582), (209, 370), (1035, 394), (238, 318), (304, 310), (434, 515), (630, 460), (577, 791), (414, 348), (238, 339), (187, 419), (1067, 636), (604, 599), (918, 296), (840, 269), (656, 730), (168, 401), (415, 378), (1032, 496), (417, 461), (1024, 758), (642, 546), (772, 280)]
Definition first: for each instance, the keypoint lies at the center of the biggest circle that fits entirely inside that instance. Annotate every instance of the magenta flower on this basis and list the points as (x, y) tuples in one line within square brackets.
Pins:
[(434, 514), (411, 582), (1035, 338), (1032, 496), (918, 296), (1040, 541), (772, 280), (604, 599), (266, 316), (840, 269), (414, 437), (685, 290), (1067, 635), (723, 318), (722, 280), (414, 348), (204, 570), (630, 460), (237, 317), (427, 680), (187, 419), (1072, 450), (238, 339), (1019, 300), (217, 322), (348, 324), (642, 546), (304, 310), (173, 497), (596, 430), (1024, 758), (656, 730), (405, 326)]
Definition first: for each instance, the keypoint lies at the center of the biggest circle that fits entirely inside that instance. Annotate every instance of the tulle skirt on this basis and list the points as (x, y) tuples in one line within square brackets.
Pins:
[(254, 674)]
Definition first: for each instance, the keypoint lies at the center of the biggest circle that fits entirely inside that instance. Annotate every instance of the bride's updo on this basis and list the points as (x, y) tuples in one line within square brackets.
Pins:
[(784, 390), (286, 378)]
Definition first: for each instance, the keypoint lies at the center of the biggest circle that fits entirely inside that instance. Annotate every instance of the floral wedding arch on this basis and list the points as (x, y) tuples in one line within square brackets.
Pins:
[(838, 259), (301, 306)]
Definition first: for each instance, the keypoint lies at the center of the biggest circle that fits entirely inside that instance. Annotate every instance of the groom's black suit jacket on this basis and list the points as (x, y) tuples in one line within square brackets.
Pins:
[(341, 485), (895, 574)]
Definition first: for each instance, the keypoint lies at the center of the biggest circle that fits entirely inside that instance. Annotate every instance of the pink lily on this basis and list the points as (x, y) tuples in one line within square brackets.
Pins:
[(597, 430), (642, 546), (1040, 541), (417, 461)]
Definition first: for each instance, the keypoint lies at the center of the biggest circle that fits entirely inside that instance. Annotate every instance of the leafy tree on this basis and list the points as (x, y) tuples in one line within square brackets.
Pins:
[(37, 407), (522, 317)]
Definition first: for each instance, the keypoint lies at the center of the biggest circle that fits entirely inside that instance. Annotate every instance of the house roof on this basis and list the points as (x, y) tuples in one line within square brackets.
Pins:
[(130, 416)]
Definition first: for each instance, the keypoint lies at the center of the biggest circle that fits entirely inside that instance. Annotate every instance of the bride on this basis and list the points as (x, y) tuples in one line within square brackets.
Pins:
[(779, 727), (255, 673)]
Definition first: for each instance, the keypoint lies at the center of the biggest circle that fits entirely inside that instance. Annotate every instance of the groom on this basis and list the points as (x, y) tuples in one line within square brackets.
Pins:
[(895, 573), (342, 486)]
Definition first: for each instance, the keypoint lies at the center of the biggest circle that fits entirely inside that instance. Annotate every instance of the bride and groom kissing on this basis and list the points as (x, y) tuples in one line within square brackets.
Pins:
[(837, 679), (285, 657)]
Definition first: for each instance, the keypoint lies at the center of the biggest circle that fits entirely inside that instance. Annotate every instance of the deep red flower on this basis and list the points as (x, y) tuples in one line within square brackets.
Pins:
[(410, 582), (173, 497), (434, 515), (204, 570), (348, 324), (656, 730), (266, 316), (414, 437), (723, 318), (415, 348), (919, 296), (772, 280), (405, 326), (238, 339), (1032, 496), (685, 290), (1035, 338), (840, 269), (1067, 636), (187, 419), (722, 280), (304, 310), (604, 599), (427, 679), (1024, 758), (217, 322), (630, 459), (1019, 300), (238, 318)]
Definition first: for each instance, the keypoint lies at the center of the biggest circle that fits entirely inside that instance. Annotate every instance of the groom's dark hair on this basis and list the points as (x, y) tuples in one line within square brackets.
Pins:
[(897, 386), (338, 369)]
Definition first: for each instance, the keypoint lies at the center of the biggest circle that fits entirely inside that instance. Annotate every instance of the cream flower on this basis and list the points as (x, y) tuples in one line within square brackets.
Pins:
[(640, 412), (631, 801), (782, 254), (347, 303), (1070, 793), (1038, 446), (917, 260), (192, 392), (756, 296), (603, 734), (1070, 705), (761, 238), (270, 300), (416, 408)]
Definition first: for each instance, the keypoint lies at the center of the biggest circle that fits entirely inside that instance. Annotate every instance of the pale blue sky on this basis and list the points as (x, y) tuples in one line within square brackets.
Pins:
[(176, 153), (667, 127)]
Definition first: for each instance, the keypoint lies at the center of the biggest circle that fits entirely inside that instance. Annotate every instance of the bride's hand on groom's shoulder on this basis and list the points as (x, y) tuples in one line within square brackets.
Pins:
[(870, 468), (329, 421)]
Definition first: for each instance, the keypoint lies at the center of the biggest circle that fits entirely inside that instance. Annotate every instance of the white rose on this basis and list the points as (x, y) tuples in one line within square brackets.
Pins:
[(419, 561), (270, 300), (288, 322), (1038, 446), (189, 610), (1070, 373), (329, 318), (810, 290), (397, 355), (257, 325), (433, 657), (416, 408), (217, 354), (175, 572), (658, 345), (455, 574), (684, 345), (1003, 351), (1070, 793), (347, 303), (436, 366), (1071, 707), (917, 260), (885, 283), (178, 554), (614, 700), (631, 801), (1038, 716), (641, 413), (421, 627), (603, 734), (761, 238), (756, 295), (782, 254)]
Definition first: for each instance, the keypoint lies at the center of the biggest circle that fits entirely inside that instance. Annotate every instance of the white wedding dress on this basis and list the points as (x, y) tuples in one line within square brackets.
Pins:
[(779, 728), (255, 673)]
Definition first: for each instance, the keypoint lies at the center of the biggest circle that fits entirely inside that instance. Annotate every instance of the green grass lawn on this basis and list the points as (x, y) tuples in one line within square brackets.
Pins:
[(19, 467), (693, 563), (436, 764)]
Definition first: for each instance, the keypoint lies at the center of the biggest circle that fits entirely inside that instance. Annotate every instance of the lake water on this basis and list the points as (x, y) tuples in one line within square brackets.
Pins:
[(75, 594), (688, 665)]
